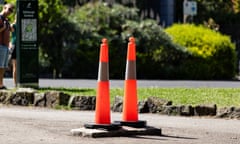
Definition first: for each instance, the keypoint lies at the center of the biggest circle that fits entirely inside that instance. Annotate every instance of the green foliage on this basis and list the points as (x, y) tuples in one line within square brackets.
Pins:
[(69, 41), (200, 41), (158, 55), (96, 21), (213, 54), (54, 31), (236, 6), (216, 9), (117, 23), (224, 12)]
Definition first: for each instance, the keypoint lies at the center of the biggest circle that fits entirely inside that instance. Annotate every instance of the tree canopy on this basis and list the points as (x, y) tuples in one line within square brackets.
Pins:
[(70, 34)]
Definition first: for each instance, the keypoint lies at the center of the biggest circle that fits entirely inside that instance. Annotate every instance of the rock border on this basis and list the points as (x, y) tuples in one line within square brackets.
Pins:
[(53, 99)]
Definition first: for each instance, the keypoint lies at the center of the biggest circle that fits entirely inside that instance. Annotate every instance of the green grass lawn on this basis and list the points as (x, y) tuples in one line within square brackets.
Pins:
[(223, 97)]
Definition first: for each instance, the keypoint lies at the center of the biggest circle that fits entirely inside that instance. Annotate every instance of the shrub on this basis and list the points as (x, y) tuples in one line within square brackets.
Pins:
[(117, 23), (213, 55), (157, 54)]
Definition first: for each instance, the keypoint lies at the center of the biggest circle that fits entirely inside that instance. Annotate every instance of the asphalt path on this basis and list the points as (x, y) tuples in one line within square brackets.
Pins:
[(28, 125), (31, 125), (92, 83)]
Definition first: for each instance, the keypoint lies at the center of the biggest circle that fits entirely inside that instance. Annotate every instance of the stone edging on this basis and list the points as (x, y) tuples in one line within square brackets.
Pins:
[(52, 99)]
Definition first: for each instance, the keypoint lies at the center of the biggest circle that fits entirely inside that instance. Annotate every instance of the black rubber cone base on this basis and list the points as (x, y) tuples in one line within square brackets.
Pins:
[(135, 124), (108, 127)]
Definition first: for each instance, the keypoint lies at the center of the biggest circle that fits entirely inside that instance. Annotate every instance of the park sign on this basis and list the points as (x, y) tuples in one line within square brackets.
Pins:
[(189, 8), (27, 43)]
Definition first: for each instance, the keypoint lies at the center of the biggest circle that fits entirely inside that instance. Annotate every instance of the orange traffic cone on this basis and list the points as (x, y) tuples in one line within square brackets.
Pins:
[(130, 102), (130, 109), (102, 110)]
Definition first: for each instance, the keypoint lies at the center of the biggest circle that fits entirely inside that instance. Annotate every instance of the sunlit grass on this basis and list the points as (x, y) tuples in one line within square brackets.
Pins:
[(223, 97), (195, 96)]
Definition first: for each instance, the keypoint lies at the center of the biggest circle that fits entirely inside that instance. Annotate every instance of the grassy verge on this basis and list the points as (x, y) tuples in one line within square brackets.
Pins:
[(223, 97)]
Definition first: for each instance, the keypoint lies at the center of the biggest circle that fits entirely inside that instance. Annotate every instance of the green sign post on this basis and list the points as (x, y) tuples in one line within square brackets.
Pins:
[(27, 43)]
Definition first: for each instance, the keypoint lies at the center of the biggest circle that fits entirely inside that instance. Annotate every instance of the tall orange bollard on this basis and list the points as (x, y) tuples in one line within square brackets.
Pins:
[(130, 110), (102, 110), (130, 101)]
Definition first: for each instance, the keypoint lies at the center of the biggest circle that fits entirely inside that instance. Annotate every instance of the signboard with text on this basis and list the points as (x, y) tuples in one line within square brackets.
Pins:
[(190, 8), (27, 43)]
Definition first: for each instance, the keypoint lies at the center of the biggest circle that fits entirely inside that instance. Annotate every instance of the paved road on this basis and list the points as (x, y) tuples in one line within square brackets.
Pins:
[(86, 83), (28, 125)]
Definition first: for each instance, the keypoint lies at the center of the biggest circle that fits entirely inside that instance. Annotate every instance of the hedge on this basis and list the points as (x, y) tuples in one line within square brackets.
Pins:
[(213, 55)]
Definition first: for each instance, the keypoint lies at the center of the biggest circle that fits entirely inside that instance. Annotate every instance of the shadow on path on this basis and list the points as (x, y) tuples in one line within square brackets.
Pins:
[(160, 137)]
